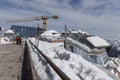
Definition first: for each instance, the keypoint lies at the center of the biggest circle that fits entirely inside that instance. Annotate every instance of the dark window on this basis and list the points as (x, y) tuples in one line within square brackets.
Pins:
[(86, 42)]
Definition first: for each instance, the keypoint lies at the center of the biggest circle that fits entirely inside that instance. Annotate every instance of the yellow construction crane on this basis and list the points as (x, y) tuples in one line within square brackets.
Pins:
[(37, 18)]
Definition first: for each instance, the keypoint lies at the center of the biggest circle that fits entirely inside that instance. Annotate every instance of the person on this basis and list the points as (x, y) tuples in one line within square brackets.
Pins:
[(20, 40), (17, 39)]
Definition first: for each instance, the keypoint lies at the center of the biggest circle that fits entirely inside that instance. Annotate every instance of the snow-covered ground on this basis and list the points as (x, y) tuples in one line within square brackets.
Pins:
[(5, 40), (114, 62), (71, 64)]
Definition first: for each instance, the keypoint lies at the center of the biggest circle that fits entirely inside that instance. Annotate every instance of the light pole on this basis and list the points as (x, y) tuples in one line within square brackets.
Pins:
[(65, 43)]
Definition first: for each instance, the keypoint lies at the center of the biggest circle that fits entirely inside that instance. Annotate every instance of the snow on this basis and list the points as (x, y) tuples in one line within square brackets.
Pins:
[(5, 40), (71, 64), (9, 31), (83, 47), (51, 35), (73, 31), (79, 31), (82, 32), (114, 65), (97, 41)]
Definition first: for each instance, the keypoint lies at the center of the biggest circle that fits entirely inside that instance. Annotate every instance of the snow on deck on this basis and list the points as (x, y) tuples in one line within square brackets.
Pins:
[(72, 64), (97, 41), (5, 40)]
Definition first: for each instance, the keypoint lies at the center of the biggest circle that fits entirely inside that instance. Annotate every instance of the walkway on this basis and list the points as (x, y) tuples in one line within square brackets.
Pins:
[(10, 62)]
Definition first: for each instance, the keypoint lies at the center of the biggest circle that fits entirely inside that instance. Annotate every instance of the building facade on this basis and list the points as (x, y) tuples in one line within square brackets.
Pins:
[(24, 31)]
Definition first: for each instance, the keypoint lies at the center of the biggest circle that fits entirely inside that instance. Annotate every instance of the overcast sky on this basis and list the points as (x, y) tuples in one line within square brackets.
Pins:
[(100, 17)]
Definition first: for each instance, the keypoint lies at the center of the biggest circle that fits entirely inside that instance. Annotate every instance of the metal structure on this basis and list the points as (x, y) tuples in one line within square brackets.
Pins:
[(65, 43), (37, 18)]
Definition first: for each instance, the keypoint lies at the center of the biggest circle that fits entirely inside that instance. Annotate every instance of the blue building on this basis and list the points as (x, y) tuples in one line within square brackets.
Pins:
[(24, 31)]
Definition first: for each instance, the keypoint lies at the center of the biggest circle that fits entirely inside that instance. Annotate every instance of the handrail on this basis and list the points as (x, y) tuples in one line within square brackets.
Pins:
[(26, 73), (57, 70)]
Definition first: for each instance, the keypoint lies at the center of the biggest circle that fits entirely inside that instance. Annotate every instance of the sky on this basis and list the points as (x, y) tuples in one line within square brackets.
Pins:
[(99, 17)]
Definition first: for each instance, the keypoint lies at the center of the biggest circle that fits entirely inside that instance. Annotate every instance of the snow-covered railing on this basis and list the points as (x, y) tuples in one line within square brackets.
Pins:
[(55, 68), (28, 72), (78, 44)]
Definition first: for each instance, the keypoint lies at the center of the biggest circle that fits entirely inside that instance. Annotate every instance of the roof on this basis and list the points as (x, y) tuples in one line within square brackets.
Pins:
[(98, 41), (9, 31), (74, 31), (82, 32), (50, 33)]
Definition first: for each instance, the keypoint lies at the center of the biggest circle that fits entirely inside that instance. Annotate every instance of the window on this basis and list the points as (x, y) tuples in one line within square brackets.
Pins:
[(54, 33), (87, 43), (104, 57), (93, 58)]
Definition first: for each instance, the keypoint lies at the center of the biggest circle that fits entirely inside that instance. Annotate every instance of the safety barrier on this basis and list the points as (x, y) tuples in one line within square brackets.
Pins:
[(28, 72), (55, 68)]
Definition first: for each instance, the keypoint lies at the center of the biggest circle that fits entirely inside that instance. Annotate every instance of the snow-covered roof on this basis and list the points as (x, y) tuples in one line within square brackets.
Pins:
[(74, 31), (97, 41), (82, 32), (9, 31), (50, 33)]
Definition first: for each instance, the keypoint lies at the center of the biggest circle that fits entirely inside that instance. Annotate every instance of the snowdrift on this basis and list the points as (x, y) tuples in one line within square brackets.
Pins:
[(72, 64)]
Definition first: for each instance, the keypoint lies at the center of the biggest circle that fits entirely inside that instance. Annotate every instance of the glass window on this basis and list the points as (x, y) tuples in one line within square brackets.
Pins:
[(87, 43), (104, 57), (99, 60), (93, 58)]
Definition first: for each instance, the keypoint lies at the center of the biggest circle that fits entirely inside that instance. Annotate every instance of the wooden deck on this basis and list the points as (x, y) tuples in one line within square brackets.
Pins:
[(11, 57)]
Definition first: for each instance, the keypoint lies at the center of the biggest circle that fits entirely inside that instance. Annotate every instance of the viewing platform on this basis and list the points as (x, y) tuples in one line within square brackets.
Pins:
[(11, 58)]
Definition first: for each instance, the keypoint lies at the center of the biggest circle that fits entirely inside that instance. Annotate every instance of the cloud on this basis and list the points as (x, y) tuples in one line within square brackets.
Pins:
[(93, 15)]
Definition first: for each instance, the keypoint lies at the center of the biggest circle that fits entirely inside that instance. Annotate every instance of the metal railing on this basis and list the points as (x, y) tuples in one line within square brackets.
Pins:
[(26, 73)]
